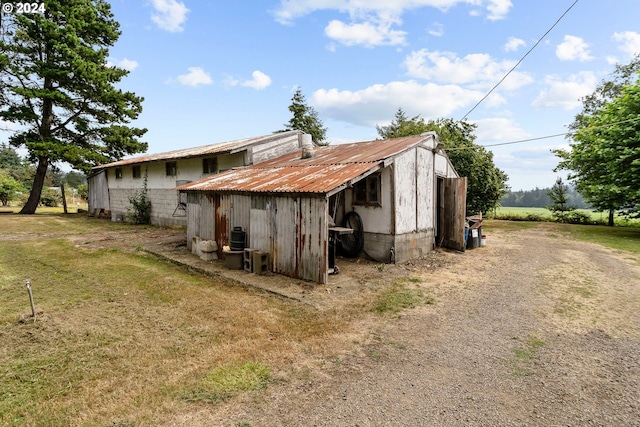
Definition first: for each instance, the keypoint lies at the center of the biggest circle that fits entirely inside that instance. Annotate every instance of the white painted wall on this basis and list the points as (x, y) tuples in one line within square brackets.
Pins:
[(375, 219)]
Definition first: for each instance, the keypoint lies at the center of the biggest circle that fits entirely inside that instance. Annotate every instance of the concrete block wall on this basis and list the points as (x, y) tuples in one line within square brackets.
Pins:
[(163, 203), (414, 245)]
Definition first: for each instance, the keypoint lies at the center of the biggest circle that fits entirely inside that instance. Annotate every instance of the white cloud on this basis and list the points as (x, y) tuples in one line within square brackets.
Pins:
[(478, 69), (367, 34), (573, 48), (377, 104), (436, 29), (259, 81), (498, 9), (566, 94), (170, 15), (127, 64), (289, 10), (498, 129), (513, 44), (195, 77), (630, 42)]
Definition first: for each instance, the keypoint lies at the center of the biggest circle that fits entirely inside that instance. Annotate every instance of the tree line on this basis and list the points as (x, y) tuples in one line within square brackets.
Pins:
[(539, 198)]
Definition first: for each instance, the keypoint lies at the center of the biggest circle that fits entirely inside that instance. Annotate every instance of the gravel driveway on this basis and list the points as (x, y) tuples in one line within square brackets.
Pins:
[(533, 329)]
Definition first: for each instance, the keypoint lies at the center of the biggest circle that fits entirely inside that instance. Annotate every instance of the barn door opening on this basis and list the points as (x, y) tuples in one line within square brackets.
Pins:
[(452, 203)]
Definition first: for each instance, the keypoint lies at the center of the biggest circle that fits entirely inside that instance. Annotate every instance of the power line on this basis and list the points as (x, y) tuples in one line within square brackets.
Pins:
[(520, 141), (518, 63)]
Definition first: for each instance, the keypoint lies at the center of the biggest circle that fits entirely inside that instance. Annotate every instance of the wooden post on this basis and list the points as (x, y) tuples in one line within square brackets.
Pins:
[(33, 307), (64, 199)]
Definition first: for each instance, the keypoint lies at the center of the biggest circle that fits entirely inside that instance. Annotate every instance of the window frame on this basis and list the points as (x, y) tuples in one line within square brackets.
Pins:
[(362, 194), (138, 169), (171, 168), (118, 173), (207, 162)]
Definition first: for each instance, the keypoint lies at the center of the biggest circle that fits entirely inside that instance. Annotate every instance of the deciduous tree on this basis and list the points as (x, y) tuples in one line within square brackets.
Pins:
[(56, 84), (604, 159)]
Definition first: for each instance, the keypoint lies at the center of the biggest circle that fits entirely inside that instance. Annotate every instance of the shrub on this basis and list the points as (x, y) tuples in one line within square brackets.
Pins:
[(50, 197), (140, 210), (572, 217)]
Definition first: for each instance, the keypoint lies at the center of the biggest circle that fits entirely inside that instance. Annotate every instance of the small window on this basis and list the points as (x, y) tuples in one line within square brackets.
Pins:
[(210, 165), (118, 173), (172, 169), (136, 171), (367, 191)]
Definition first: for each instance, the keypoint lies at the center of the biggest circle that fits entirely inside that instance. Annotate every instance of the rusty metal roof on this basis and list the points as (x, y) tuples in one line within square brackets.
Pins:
[(205, 150), (331, 167)]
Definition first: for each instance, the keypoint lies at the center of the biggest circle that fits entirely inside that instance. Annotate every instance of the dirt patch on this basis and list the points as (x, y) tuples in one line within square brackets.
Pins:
[(531, 330)]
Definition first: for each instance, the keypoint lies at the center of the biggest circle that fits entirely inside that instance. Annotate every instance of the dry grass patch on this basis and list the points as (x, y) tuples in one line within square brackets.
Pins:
[(124, 332)]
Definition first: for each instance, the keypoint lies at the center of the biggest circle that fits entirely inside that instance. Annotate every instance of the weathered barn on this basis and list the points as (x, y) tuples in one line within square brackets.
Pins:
[(112, 184), (405, 192)]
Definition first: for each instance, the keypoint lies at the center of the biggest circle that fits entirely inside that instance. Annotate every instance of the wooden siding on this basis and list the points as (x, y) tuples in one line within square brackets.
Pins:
[(405, 192), (425, 190)]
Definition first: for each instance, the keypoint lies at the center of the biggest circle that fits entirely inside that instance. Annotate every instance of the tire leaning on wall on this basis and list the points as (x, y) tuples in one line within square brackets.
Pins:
[(351, 245)]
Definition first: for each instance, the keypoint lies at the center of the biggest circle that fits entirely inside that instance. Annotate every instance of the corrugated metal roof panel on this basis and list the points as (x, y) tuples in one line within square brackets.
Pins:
[(310, 179), (220, 148), (331, 167)]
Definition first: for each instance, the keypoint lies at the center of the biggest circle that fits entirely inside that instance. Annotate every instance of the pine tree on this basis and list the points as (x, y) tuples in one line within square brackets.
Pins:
[(558, 196), (56, 84), (305, 118)]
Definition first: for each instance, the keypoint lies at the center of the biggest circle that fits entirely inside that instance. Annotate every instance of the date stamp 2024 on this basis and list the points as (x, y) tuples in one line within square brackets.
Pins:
[(22, 7)]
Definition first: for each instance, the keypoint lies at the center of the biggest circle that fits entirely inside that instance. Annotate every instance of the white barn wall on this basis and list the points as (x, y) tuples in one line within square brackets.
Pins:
[(425, 191), (405, 192), (164, 199)]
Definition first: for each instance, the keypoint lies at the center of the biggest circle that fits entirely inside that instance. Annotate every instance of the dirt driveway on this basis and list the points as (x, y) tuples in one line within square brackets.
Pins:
[(534, 329)]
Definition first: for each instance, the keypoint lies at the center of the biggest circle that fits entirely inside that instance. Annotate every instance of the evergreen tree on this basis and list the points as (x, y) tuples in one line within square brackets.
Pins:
[(559, 198), (305, 118), (55, 83)]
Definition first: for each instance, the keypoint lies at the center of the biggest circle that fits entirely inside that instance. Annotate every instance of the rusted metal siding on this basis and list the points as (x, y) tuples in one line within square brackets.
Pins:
[(240, 206), (292, 230), (285, 236), (312, 239), (194, 208), (260, 235)]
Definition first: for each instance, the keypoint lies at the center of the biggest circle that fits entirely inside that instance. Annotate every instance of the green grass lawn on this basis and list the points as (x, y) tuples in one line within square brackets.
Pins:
[(543, 214)]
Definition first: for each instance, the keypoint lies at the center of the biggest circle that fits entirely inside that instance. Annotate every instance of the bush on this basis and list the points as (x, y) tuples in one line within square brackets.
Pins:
[(518, 217), (572, 217), (50, 198), (140, 211)]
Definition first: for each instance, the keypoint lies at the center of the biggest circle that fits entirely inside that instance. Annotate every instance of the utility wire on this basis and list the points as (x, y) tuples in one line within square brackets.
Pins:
[(634, 119), (518, 63)]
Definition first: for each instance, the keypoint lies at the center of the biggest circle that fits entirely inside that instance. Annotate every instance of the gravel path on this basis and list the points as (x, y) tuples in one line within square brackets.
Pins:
[(533, 329)]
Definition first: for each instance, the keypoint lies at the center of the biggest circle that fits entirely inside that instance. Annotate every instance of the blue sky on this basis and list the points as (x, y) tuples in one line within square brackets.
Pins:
[(215, 71)]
